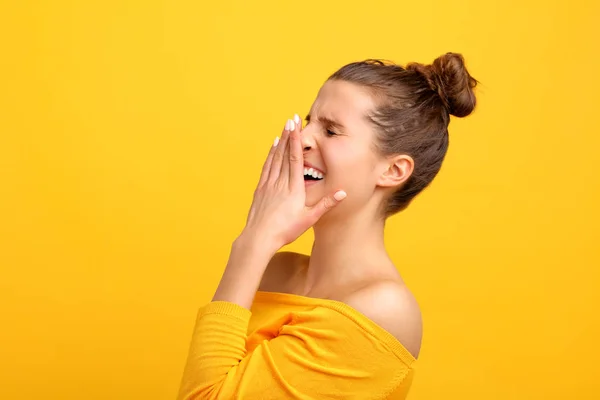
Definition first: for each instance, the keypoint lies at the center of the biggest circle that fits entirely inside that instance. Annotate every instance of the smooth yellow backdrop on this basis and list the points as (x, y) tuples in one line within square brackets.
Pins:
[(132, 134)]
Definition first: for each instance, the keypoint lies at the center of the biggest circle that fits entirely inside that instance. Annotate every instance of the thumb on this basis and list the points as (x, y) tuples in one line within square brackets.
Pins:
[(326, 204)]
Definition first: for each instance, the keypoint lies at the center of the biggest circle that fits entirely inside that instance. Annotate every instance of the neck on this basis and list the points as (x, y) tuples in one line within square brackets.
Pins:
[(346, 251)]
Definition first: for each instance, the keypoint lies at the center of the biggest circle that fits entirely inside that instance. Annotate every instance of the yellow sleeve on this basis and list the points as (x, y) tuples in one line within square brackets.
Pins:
[(321, 354)]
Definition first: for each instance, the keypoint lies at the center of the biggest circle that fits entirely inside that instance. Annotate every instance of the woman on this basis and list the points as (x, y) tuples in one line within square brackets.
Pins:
[(340, 324)]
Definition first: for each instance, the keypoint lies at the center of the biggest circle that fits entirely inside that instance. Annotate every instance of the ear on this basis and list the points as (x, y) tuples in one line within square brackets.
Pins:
[(397, 171)]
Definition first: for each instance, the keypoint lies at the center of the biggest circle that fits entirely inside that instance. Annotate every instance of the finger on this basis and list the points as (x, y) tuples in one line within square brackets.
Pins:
[(296, 160), (298, 122), (284, 175), (285, 165), (326, 204), (264, 175), (279, 154)]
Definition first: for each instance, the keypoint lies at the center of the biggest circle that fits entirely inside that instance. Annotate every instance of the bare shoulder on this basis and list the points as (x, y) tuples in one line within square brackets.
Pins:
[(281, 271), (393, 307)]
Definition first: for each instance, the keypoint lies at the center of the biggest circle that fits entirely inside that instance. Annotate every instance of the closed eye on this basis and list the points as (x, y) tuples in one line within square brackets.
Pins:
[(330, 132)]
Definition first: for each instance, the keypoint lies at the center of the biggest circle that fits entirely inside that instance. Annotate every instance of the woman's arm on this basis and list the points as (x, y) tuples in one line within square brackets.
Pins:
[(217, 361), (248, 260)]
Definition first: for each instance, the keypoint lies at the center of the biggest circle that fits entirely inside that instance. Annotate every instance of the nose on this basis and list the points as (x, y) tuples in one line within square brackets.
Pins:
[(308, 139)]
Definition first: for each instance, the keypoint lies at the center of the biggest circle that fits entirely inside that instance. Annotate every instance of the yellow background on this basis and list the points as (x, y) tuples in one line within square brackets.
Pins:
[(132, 134)]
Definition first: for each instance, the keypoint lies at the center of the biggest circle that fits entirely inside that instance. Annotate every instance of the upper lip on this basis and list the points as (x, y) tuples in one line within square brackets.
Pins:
[(309, 165)]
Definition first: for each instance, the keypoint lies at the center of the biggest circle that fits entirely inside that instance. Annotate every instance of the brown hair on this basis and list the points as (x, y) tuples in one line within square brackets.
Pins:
[(414, 104)]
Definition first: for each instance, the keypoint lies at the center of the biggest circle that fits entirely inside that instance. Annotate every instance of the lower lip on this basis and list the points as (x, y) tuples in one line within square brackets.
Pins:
[(310, 183)]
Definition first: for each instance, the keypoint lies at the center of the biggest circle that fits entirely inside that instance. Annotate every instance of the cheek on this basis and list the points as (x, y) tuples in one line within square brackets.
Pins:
[(338, 154), (350, 167)]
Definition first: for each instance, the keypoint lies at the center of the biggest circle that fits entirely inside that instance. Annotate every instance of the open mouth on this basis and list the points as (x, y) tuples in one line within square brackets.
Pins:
[(311, 174)]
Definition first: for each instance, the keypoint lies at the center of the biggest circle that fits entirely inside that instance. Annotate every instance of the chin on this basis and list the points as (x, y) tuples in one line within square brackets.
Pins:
[(314, 193), (311, 201)]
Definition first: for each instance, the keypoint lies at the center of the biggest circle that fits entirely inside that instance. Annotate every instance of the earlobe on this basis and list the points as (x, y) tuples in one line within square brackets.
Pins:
[(399, 169)]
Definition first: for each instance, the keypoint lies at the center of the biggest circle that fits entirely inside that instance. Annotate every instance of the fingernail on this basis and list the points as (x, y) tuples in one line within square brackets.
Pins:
[(297, 118), (289, 125), (339, 195), (276, 142)]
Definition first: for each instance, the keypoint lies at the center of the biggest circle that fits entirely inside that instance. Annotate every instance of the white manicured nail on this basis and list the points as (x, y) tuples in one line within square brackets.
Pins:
[(339, 195), (276, 142), (289, 125), (297, 118)]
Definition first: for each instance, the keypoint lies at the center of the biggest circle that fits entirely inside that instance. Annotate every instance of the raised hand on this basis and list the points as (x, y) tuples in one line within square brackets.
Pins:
[(278, 213)]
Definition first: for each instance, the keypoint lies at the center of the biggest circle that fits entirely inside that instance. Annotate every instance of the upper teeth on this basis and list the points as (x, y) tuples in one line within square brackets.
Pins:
[(312, 172)]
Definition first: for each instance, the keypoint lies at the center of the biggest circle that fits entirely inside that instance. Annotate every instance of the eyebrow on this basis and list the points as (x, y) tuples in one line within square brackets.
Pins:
[(327, 121)]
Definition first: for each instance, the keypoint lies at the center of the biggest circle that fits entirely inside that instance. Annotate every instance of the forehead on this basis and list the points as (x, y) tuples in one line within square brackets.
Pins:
[(342, 101)]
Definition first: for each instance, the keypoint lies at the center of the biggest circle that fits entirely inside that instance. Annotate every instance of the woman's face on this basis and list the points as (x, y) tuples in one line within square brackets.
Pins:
[(338, 141)]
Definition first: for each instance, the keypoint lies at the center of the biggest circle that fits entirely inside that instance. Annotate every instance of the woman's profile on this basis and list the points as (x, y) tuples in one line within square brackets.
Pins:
[(340, 323)]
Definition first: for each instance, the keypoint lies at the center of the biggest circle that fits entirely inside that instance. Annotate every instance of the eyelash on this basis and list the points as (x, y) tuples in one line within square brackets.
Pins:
[(330, 132)]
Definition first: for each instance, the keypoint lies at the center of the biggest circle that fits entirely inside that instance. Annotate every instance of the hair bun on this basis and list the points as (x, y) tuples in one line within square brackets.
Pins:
[(449, 77)]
